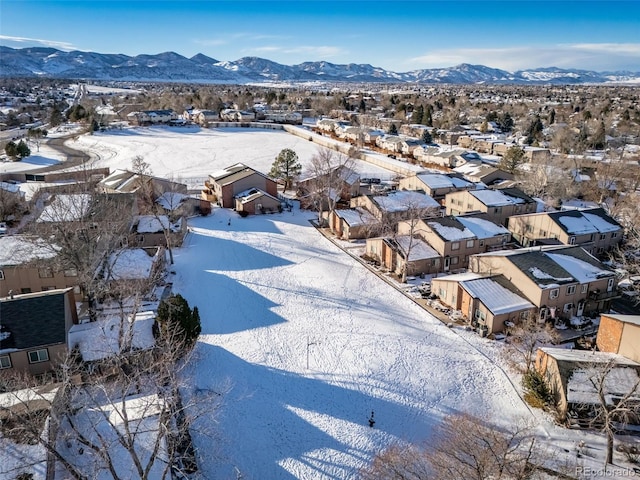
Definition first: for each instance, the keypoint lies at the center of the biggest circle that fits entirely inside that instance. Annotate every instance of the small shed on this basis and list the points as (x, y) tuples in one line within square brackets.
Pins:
[(255, 201)]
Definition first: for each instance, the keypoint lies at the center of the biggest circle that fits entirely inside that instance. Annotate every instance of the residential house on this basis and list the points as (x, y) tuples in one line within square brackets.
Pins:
[(390, 143), (34, 329), (488, 302), (204, 117), (255, 201), (436, 185), (457, 238), (498, 204), (394, 253), (342, 184), (28, 264), (157, 231), (571, 374), (225, 184), (620, 334), (478, 172), (125, 181), (563, 282), (592, 229), (353, 223), (371, 136), (152, 117), (432, 155), (291, 118), (234, 115), (397, 205)]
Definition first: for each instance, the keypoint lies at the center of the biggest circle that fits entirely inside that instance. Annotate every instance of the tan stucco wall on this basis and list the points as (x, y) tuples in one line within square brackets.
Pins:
[(630, 342), (609, 334)]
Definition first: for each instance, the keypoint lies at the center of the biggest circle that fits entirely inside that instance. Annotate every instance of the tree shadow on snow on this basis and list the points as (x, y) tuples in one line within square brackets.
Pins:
[(266, 414)]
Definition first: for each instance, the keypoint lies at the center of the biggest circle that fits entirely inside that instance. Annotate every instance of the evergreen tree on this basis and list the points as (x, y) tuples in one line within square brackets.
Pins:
[(505, 122), (176, 318), (534, 130), (599, 140), (56, 117), (22, 149), (426, 136), (286, 167), (393, 130), (363, 106), (11, 149), (511, 159), (427, 117), (552, 117), (416, 115)]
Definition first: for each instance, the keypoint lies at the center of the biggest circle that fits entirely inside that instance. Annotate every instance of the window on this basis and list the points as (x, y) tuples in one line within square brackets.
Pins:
[(71, 272), (454, 260), (479, 315), (572, 240), (584, 288), (25, 290), (45, 273), (469, 243), (442, 293), (567, 307), (571, 289), (614, 235), (5, 361), (554, 293), (1, 275), (543, 233), (544, 312), (497, 210), (38, 356), (610, 285), (482, 243), (470, 206), (603, 236), (455, 245)]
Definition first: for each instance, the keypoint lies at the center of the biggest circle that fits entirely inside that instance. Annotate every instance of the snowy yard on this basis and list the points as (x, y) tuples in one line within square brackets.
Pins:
[(271, 289)]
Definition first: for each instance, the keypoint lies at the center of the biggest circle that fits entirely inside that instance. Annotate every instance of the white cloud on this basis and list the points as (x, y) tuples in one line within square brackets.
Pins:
[(589, 56), (35, 42)]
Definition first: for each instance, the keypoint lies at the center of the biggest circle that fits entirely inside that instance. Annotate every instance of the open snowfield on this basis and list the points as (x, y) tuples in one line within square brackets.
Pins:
[(46, 157), (269, 289), (192, 153)]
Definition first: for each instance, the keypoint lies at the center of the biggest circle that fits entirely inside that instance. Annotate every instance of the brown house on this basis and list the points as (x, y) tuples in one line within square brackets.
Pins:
[(498, 204), (224, 185), (563, 282), (28, 265), (397, 205), (155, 230), (477, 172), (592, 229), (353, 223), (254, 202), (34, 329), (568, 373), (394, 253), (436, 185), (486, 301), (620, 334), (457, 238)]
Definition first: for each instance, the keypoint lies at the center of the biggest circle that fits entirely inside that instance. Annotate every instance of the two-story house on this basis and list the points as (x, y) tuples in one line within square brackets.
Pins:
[(561, 281), (592, 229), (457, 238), (225, 184), (498, 204), (34, 328), (436, 185), (397, 205)]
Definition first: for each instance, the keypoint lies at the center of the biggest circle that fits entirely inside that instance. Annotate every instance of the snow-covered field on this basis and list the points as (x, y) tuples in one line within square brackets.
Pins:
[(46, 157), (270, 290), (192, 153)]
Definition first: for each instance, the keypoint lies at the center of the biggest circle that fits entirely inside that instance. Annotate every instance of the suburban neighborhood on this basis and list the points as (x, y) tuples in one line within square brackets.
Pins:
[(318, 261)]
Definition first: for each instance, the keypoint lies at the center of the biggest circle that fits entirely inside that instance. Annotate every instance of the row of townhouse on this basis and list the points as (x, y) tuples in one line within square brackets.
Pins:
[(152, 117), (557, 283), (496, 145)]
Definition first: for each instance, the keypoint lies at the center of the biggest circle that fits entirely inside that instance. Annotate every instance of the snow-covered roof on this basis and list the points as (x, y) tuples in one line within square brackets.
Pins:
[(171, 200), (420, 250), (18, 250), (450, 229), (130, 264), (356, 216), (582, 271), (66, 208), (495, 198), (155, 224), (495, 297), (99, 340), (581, 222), (482, 228), (437, 180), (583, 384), (403, 200)]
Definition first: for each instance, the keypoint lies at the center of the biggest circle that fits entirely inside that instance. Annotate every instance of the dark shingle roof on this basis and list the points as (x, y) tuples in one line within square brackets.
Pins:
[(33, 320)]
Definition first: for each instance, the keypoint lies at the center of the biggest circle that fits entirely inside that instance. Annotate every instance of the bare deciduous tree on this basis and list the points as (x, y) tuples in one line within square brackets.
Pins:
[(526, 336), (463, 447)]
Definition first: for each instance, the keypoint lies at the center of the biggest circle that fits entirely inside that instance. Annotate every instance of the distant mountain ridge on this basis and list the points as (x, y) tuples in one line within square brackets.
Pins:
[(172, 67)]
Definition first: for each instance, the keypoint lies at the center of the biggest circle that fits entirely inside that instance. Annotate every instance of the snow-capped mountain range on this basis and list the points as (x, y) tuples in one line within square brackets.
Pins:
[(172, 67)]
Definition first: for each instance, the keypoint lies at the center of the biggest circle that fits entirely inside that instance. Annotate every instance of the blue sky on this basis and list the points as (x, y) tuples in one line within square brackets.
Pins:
[(395, 35)]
